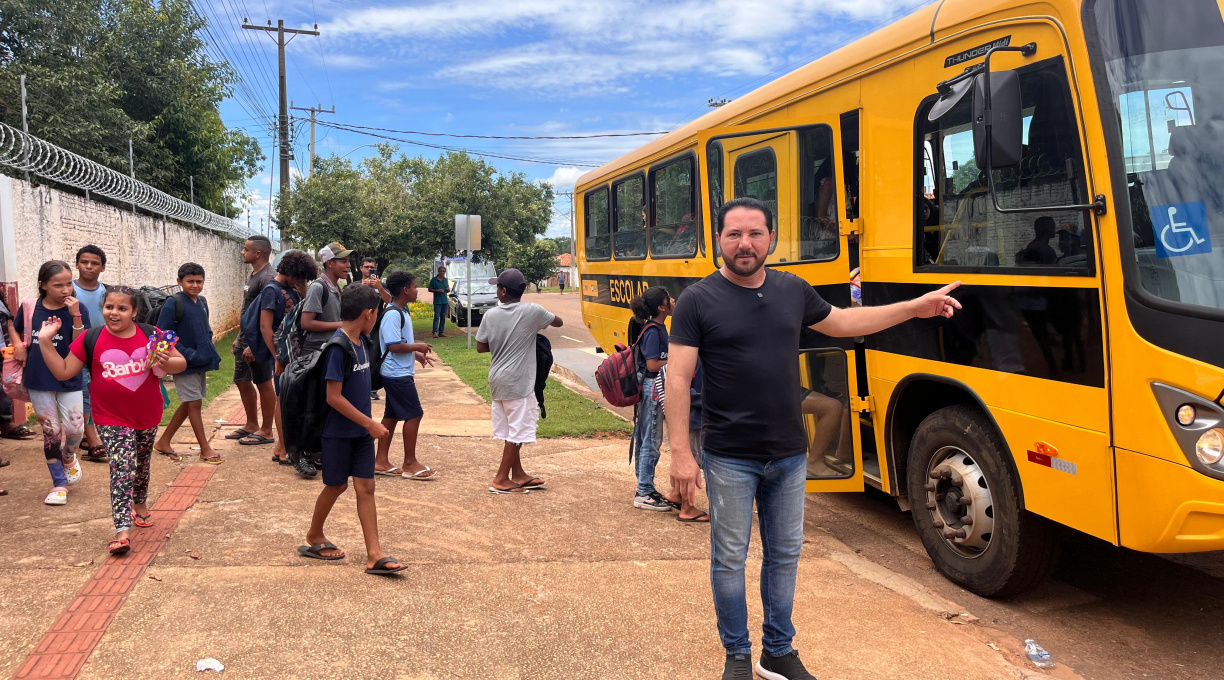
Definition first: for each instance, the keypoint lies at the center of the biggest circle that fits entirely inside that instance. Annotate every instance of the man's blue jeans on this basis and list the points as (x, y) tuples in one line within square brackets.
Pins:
[(439, 320), (777, 487)]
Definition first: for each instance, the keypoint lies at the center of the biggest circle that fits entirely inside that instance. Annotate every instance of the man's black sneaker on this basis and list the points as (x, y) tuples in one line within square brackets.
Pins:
[(738, 667), (305, 467), (661, 498), (787, 667)]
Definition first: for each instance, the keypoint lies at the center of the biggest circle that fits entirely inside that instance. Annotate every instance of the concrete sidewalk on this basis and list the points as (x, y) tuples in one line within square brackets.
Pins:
[(571, 582)]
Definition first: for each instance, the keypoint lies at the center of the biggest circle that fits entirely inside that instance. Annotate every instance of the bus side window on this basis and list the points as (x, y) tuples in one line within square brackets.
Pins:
[(850, 162), (756, 175), (673, 230), (597, 234), (956, 223), (629, 219), (818, 233), (714, 170)]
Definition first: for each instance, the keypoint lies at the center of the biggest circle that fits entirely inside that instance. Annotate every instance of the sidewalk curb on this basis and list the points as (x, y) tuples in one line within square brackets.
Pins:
[(573, 383)]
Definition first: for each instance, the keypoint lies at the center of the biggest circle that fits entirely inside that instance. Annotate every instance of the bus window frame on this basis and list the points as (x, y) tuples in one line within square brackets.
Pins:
[(857, 115), (695, 192), (916, 231), (722, 180), (586, 200), (615, 212)]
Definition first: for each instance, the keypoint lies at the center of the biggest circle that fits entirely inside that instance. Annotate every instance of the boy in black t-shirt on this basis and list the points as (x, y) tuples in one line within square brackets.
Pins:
[(349, 433)]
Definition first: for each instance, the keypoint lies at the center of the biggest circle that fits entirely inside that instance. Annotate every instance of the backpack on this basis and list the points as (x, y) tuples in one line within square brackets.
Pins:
[(153, 299), (544, 364), (248, 325), (12, 374), (92, 335), (303, 399), (376, 360), (620, 376), (290, 338)]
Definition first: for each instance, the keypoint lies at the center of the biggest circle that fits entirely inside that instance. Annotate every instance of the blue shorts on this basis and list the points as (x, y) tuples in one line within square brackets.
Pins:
[(403, 403), (345, 457)]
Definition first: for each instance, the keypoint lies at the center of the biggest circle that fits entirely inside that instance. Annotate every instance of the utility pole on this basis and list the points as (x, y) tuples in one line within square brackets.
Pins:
[(191, 183), (25, 127), (280, 32), (313, 110), (131, 168)]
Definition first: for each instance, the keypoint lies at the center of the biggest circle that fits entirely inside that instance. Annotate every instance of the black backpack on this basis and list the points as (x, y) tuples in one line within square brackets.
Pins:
[(92, 335), (152, 299), (544, 364), (376, 360), (303, 399)]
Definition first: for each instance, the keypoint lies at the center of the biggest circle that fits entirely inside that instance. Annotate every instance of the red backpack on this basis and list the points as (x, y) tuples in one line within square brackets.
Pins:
[(620, 375)]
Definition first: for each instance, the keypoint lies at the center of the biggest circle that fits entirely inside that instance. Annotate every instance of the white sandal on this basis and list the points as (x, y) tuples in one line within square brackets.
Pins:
[(58, 496), (422, 475), (390, 472)]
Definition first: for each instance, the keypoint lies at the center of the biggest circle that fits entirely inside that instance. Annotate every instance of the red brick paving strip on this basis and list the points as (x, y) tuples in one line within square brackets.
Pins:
[(62, 652)]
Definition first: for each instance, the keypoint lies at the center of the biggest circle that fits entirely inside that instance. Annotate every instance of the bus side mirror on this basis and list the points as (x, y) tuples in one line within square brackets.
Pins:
[(1005, 134)]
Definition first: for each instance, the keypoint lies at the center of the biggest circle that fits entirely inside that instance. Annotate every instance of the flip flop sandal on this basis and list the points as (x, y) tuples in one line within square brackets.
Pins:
[(703, 518), (211, 460), (22, 432), (278, 461), (379, 570), (390, 472), (3, 492), (5, 463), (316, 551), (172, 455), (517, 489), (142, 521), (255, 440), (422, 475), (238, 434), (119, 546), (92, 455), (534, 483)]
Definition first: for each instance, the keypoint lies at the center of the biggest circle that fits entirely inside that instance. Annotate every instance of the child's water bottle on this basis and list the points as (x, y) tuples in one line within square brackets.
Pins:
[(1037, 654)]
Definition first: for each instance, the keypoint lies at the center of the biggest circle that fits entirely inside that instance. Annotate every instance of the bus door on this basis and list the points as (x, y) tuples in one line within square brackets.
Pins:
[(792, 170)]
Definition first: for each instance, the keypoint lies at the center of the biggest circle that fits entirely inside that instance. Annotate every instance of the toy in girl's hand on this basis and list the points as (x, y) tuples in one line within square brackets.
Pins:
[(159, 341)]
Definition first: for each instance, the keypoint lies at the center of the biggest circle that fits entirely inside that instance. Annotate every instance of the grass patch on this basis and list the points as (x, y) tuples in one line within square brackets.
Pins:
[(569, 414), (218, 380)]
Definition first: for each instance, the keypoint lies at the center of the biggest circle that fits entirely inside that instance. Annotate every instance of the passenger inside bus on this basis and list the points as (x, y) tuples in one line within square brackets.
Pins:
[(1038, 251)]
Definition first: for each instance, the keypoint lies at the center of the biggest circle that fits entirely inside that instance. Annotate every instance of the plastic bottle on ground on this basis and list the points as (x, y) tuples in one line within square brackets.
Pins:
[(1037, 654)]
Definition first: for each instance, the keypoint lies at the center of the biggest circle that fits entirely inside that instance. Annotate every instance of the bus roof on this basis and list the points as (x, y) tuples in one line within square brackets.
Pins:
[(903, 35)]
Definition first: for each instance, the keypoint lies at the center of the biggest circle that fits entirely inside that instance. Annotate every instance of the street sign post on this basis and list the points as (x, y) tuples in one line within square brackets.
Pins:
[(467, 238)]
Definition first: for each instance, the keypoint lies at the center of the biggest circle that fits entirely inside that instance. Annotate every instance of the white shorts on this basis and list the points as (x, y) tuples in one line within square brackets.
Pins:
[(515, 420)]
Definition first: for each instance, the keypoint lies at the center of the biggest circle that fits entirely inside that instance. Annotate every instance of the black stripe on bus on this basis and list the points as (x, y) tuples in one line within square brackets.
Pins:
[(1050, 333), (1042, 332)]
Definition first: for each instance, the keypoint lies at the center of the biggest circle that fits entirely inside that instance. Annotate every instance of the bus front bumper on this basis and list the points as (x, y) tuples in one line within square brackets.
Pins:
[(1164, 507)]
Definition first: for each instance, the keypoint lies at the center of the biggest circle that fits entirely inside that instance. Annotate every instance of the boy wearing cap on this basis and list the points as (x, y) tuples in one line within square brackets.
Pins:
[(321, 306), (508, 331)]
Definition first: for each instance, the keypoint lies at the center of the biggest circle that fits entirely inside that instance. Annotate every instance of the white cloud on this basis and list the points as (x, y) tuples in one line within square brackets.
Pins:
[(564, 179), (597, 46)]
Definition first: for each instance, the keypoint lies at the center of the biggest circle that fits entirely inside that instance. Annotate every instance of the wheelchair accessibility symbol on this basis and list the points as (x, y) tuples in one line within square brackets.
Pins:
[(1180, 229)]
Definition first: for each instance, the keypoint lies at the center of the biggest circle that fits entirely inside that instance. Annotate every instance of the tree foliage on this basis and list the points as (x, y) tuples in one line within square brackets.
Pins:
[(99, 72), (398, 209)]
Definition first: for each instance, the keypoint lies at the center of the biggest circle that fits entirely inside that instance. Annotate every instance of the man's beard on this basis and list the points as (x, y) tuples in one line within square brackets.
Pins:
[(733, 265)]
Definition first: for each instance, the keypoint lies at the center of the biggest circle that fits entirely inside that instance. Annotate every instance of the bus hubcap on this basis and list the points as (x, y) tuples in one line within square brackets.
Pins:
[(958, 498)]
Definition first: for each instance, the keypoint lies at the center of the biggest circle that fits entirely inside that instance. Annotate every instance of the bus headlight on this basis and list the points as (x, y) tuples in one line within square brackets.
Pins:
[(1210, 446), (1186, 415)]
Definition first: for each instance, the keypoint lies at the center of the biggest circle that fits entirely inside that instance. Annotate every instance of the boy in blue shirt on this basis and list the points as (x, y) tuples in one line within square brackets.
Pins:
[(195, 343), (400, 351), (90, 263), (349, 431)]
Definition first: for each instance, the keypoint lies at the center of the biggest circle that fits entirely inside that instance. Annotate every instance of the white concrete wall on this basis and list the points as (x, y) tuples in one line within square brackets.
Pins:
[(140, 250)]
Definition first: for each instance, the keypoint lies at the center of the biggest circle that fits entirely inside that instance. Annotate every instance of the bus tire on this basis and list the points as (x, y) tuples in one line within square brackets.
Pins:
[(965, 501)]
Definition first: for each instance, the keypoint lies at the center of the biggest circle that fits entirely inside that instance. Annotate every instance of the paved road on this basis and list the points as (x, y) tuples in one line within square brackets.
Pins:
[(573, 345), (1107, 612)]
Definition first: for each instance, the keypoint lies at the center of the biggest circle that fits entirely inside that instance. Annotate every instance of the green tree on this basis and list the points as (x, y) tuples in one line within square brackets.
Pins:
[(400, 209), (100, 72), (536, 259)]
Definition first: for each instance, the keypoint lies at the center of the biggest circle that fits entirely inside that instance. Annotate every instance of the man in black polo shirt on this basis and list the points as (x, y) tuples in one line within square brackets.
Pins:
[(744, 323)]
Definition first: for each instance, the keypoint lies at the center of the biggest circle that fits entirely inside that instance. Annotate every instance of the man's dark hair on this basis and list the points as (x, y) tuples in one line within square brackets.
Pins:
[(398, 281), (1045, 227), (262, 243), (355, 299), (514, 294), (745, 202), (91, 249), (190, 269), (369, 260), (298, 265)]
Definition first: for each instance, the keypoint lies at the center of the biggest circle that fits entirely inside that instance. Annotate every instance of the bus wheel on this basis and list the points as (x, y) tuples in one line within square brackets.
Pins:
[(966, 506)]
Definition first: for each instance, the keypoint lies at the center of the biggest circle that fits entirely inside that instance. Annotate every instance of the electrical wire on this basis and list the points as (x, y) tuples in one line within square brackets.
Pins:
[(475, 152), (541, 137)]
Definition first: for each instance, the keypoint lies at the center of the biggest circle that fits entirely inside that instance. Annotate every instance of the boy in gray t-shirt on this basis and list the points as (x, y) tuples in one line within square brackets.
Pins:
[(320, 319), (508, 332)]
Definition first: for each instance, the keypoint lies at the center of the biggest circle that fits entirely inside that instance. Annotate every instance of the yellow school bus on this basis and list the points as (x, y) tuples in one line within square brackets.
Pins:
[(1065, 160)]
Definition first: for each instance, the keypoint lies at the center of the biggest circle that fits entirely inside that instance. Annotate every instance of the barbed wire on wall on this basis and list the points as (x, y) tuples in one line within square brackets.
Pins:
[(25, 152)]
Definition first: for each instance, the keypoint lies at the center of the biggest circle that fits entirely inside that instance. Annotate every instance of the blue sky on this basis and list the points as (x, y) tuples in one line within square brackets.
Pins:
[(518, 67)]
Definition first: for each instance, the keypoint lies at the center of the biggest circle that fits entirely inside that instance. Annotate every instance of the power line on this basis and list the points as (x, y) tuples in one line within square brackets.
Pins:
[(457, 136), (475, 152), (323, 56)]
